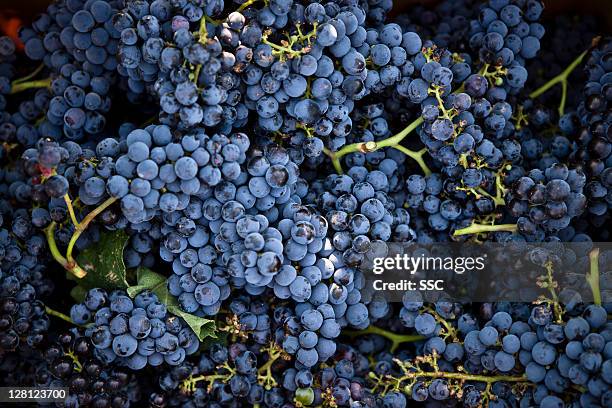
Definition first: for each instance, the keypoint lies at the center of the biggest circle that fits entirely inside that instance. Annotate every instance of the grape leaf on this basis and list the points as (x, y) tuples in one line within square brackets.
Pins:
[(147, 279), (78, 293), (158, 284), (103, 262), (221, 337), (201, 327)]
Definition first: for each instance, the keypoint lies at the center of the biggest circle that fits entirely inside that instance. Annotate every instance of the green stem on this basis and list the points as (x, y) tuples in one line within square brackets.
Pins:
[(264, 373), (466, 377), (78, 367), (396, 139), (478, 228), (417, 156), (66, 318), (62, 316), (412, 373), (285, 49), (202, 39), (560, 79), (211, 20), (24, 86), (497, 200), (500, 191), (368, 147), (189, 385), (495, 78), (282, 51), (57, 255), (82, 226), (437, 91), (202, 32), (449, 330), (68, 262), (551, 286), (335, 161), (30, 76), (395, 338), (68, 202), (593, 276), (55, 252)]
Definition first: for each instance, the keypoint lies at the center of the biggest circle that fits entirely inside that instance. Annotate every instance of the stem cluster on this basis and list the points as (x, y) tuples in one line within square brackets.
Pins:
[(264, 373), (562, 79), (493, 76), (25, 83), (593, 276), (393, 141), (190, 384), (548, 282), (395, 338), (476, 228), (67, 260), (294, 46), (425, 369)]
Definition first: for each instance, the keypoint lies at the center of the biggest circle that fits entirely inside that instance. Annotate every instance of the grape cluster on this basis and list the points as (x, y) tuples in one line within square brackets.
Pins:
[(227, 169), (78, 42), (360, 211), (573, 353), (506, 34), (547, 201), (294, 86), (7, 70), (235, 372), (232, 371), (507, 340), (79, 103), (17, 126), (141, 26), (68, 362), (78, 31), (157, 174), (133, 333), (23, 284), (594, 144)]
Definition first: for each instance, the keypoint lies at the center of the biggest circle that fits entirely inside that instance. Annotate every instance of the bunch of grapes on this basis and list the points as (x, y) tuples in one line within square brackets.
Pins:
[(68, 362), (133, 333), (548, 199), (23, 284), (192, 193)]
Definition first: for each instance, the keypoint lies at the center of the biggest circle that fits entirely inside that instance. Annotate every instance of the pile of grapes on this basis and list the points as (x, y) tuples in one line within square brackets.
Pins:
[(189, 188)]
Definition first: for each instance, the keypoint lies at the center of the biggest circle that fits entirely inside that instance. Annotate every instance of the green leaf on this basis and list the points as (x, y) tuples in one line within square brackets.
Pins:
[(147, 279), (221, 337), (78, 293), (158, 284), (103, 262), (202, 327)]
